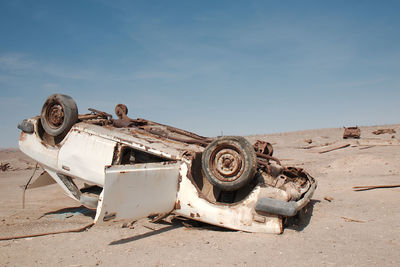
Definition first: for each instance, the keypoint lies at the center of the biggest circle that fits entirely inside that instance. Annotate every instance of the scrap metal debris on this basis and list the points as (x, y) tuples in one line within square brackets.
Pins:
[(263, 147), (384, 131), (352, 132), (4, 166), (335, 148), (129, 225), (352, 220), (369, 187), (159, 217)]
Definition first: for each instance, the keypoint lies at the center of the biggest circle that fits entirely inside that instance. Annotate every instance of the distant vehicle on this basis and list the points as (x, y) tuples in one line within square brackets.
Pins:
[(352, 132), (134, 168)]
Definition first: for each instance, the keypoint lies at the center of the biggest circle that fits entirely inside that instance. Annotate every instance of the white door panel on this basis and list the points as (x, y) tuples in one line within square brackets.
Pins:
[(139, 190)]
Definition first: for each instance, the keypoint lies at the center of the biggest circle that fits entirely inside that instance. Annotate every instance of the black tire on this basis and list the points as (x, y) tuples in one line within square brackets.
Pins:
[(59, 114), (229, 162)]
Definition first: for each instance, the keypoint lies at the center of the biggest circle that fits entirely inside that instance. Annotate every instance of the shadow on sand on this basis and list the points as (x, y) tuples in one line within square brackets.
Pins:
[(297, 223), (70, 212), (302, 218), (175, 223)]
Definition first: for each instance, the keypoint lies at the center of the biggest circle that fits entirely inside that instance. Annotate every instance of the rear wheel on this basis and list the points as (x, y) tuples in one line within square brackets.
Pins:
[(229, 162), (59, 114)]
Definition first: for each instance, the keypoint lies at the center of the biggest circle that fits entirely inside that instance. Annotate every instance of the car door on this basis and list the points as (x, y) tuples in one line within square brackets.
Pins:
[(138, 190), (84, 155)]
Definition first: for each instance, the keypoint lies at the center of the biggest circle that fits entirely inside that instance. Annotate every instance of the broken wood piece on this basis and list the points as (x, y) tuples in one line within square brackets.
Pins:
[(352, 220), (159, 217), (129, 224), (369, 187), (328, 150), (366, 147), (307, 147), (186, 225), (49, 233), (148, 227)]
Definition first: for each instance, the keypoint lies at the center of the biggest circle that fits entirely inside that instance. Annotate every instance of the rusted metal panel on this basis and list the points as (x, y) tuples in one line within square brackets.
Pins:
[(263, 147), (384, 131), (137, 191), (352, 132)]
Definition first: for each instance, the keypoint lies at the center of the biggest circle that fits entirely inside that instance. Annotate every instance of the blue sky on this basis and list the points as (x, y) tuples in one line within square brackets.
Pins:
[(237, 67)]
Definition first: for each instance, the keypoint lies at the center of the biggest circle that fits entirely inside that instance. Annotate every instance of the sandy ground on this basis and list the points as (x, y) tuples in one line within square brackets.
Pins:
[(353, 229)]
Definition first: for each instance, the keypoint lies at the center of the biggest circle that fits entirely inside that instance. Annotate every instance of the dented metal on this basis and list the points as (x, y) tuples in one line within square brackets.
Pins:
[(132, 191), (137, 168)]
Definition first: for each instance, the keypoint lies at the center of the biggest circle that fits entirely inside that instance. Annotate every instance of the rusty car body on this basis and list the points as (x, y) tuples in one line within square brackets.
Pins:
[(352, 132), (134, 168)]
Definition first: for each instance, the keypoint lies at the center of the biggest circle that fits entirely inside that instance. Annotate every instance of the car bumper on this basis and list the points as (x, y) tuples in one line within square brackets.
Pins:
[(283, 208)]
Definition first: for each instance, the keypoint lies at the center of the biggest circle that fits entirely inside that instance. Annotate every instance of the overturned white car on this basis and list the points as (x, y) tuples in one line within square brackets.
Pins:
[(134, 168)]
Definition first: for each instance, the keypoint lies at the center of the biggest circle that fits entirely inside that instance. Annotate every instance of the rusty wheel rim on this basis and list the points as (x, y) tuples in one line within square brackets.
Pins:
[(227, 163), (121, 110), (55, 115)]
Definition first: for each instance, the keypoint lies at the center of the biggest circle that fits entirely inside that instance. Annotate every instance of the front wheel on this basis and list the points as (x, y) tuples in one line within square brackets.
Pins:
[(229, 162), (59, 114)]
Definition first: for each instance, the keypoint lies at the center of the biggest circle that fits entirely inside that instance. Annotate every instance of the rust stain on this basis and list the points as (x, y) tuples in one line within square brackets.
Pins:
[(43, 143), (179, 179), (259, 218), (22, 136), (116, 153), (65, 168), (178, 205)]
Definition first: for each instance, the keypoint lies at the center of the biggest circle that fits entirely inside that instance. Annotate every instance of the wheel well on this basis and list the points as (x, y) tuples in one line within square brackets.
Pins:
[(213, 194)]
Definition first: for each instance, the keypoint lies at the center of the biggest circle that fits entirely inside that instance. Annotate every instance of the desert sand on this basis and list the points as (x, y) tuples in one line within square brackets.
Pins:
[(340, 227)]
